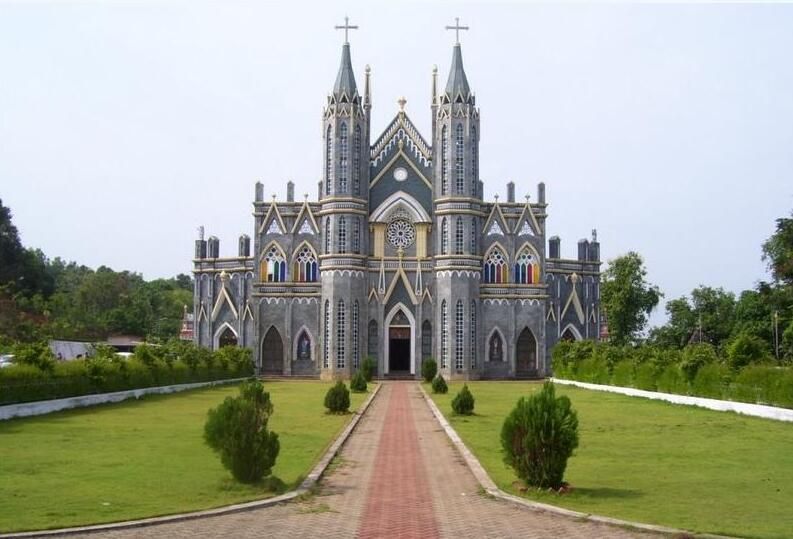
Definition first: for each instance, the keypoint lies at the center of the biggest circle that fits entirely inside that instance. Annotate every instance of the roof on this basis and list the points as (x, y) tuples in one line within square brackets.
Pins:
[(345, 79), (458, 82)]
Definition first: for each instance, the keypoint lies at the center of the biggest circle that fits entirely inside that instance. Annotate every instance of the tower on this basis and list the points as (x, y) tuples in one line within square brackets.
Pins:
[(457, 202), (344, 211)]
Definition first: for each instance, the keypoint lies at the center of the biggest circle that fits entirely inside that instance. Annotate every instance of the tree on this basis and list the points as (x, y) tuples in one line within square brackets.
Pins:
[(627, 297), (778, 251), (745, 349), (538, 437), (682, 320), (237, 431)]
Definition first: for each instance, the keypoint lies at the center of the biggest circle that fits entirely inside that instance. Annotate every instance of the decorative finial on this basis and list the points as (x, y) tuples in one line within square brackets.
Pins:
[(402, 102), (528, 196), (435, 69), (305, 197), (594, 234), (224, 277), (496, 197), (201, 232), (346, 27), (457, 29), (367, 69), (273, 197)]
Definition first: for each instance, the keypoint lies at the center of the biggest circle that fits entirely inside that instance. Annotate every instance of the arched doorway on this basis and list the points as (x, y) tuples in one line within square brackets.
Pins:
[(399, 347), (526, 354), (272, 352), (227, 338)]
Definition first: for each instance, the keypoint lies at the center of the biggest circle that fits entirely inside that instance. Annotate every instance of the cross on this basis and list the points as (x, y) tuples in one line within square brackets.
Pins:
[(346, 27), (457, 29)]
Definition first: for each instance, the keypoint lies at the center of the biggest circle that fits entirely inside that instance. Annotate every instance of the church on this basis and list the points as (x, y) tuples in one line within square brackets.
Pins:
[(400, 258)]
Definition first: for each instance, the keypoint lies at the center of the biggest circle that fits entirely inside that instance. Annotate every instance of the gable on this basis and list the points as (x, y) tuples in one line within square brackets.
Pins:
[(401, 175)]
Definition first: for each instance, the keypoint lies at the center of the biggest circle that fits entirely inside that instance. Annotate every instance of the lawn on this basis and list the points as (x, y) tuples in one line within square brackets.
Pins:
[(650, 461), (145, 458)]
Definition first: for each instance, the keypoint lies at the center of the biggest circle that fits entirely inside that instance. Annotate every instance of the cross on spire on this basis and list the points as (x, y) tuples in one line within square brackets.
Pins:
[(346, 27), (457, 29)]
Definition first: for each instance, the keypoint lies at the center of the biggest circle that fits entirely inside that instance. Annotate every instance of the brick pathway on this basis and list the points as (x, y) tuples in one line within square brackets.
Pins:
[(422, 488)]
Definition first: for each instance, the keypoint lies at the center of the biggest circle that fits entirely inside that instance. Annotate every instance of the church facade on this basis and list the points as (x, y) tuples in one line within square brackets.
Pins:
[(400, 258)]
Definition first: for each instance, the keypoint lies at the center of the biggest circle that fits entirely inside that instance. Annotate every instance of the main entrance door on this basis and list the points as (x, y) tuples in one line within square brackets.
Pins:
[(526, 354), (399, 349)]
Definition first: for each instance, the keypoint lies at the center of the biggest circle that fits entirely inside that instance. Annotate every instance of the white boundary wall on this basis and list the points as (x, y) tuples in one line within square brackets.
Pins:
[(27, 409), (756, 410)]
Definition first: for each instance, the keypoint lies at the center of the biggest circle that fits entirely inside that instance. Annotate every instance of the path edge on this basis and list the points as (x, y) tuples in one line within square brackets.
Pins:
[(490, 487), (305, 487)]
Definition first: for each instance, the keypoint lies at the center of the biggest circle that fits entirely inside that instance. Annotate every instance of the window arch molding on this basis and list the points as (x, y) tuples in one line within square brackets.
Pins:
[(498, 274), (305, 271), (296, 343), (504, 356), (534, 277), (280, 275)]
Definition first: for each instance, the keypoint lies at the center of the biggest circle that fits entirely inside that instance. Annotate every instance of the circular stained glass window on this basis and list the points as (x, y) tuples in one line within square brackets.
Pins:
[(401, 233), (400, 174)]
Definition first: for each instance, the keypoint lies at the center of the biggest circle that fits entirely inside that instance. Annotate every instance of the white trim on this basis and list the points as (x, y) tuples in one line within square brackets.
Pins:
[(400, 199), (313, 347), (504, 343), (216, 338), (387, 326), (573, 330)]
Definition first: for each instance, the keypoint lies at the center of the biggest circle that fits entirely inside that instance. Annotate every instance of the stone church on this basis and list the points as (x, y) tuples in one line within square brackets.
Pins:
[(400, 258)]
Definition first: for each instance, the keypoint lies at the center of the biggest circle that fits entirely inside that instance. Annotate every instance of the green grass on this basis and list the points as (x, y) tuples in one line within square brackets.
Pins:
[(650, 461), (144, 458)]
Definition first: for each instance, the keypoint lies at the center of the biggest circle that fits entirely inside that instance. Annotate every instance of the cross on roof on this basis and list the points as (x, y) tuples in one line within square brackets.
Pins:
[(457, 29), (346, 27)]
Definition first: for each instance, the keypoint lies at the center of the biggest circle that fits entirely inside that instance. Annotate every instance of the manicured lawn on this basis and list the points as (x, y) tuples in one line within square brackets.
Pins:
[(146, 458), (652, 462)]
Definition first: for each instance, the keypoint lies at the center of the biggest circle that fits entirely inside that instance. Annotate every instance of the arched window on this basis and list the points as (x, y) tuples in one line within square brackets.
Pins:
[(227, 338), (525, 267), (356, 161), (495, 267), (474, 161), (444, 161), (341, 330), (496, 347), (328, 236), (474, 234), (303, 347), (328, 160), (342, 246), (305, 268), (459, 342), (356, 236), (459, 236), (459, 168), (273, 268), (343, 154), (444, 336), (426, 340), (472, 332), (326, 337), (356, 349), (444, 236)]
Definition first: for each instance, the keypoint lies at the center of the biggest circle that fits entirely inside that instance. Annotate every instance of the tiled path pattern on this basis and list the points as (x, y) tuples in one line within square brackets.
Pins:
[(397, 476)]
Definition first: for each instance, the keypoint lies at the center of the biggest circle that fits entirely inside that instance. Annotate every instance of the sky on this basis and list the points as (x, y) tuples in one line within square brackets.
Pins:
[(667, 127)]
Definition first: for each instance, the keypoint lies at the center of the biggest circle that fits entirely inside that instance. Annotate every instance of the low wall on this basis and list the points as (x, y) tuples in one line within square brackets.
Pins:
[(745, 408), (27, 409)]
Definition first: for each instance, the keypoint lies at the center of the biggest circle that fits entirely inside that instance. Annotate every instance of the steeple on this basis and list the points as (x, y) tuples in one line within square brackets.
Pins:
[(458, 82), (345, 80)]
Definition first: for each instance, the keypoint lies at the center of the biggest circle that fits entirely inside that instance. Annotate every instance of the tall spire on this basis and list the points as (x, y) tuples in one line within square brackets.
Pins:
[(345, 79), (458, 82)]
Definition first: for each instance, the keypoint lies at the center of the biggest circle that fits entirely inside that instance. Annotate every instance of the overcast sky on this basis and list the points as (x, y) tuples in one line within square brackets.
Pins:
[(669, 128)]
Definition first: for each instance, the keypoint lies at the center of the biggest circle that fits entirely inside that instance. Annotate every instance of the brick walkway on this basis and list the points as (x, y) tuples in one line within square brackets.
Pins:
[(422, 488)]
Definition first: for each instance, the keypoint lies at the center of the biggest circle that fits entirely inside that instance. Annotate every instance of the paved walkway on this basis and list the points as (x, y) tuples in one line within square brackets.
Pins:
[(421, 488)]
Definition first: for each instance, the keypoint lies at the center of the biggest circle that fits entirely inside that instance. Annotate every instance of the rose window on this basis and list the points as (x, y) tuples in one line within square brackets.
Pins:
[(401, 233)]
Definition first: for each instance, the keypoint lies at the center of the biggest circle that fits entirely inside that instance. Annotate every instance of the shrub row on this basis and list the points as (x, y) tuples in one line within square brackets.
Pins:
[(151, 366), (696, 370)]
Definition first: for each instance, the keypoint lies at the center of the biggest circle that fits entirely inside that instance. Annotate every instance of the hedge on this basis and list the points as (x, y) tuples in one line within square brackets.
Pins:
[(697, 370), (151, 366)]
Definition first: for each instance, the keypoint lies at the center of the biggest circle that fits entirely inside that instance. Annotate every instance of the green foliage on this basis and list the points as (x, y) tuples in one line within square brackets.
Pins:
[(594, 371), (778, 250), (237, 431), (439, 384), (538, 437), (463, 402), (746, 349), (627, 297), (696, 356), (645, 376), (358, 383), (429, 368), (623, 374), (672, 380), (710, 381), (337, 399), (368, 368), (36, 354)]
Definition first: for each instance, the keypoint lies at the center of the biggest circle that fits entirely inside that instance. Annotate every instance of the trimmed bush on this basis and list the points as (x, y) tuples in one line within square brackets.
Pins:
[(746, 349), (710, 381), (696, 356), (672, 380), (237, 431), (594, 371), (439, 385), (429, 368), (538, 437), (463, 402), (358, 383), (645, 377), (623, 374), (337, 399), (368, 368)]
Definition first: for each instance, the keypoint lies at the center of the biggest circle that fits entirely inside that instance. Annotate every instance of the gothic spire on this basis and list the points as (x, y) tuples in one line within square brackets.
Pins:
[(345, 79), (458, 82)]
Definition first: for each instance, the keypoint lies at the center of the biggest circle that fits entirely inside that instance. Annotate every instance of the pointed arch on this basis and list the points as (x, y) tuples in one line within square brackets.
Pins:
[(225, 335), (401, 307), (526, 353), (570, 333), (400, 200), (495, 348), (305, 268), (495, 265), (272, 264), (526, 269), (304, 345), (272, 352)]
